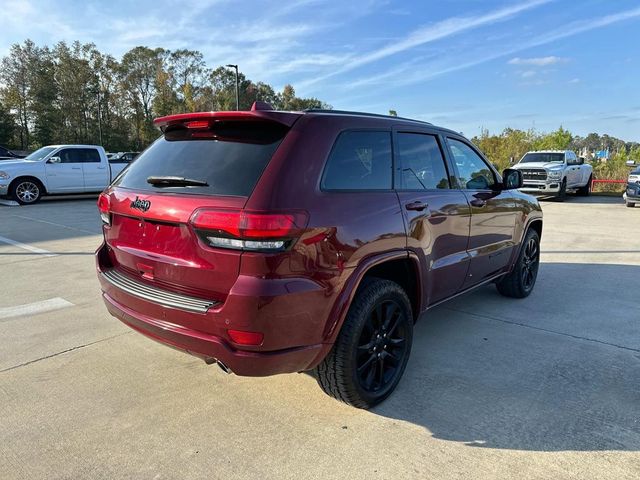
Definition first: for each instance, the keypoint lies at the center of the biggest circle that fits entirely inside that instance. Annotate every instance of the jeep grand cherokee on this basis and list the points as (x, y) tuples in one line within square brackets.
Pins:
[(273, 242)]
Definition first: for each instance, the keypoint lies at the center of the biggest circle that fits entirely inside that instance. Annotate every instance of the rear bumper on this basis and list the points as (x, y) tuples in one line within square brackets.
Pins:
[(291, 313), (208, 347)]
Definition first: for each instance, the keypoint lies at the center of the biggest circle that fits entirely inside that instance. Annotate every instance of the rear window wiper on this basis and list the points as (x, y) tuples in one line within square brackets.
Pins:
[(169, 181)]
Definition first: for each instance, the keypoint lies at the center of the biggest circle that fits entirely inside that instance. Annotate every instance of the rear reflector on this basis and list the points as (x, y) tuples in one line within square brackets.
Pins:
[(104, 205), (245, 338)]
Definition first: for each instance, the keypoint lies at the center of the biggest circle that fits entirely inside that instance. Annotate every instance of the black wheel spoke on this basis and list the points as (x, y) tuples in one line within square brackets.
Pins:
[(380, 372), (391, 329), (381, 350), (392, 313), (396, 342), (367, 363)]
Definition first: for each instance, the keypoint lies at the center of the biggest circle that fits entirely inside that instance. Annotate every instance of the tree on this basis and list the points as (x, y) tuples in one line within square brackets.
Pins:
[(188, 70), (16, 93), (557, 140), (393, 113), (139, 71), (73, 93), (287, 100), (7, 126)]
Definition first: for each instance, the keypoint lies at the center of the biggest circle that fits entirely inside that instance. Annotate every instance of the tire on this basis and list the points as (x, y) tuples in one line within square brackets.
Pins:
[(26, 191), (562, 194), (631, 204), (520, 282), (586, 190), (373, 347)]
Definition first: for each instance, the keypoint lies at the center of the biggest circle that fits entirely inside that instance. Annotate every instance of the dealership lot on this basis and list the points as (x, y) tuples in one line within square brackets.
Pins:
[(546, 387)]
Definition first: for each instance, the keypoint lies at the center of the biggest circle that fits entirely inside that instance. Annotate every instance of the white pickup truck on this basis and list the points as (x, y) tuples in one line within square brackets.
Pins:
[(57, 169), (554, 172)]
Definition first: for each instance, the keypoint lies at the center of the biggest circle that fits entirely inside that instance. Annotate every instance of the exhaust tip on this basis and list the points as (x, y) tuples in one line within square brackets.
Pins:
[(224, 367)]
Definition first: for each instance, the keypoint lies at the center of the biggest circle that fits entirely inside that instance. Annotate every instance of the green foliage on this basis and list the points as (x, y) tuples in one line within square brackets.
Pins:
[(7, 126), (76, 94), (510, 145)]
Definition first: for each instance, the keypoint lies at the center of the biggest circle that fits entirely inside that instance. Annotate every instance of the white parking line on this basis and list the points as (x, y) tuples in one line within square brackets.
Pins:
[(33, 308), (29, 248)]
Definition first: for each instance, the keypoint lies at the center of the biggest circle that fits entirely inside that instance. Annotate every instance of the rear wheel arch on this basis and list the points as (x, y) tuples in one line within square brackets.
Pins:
[(401, 267)]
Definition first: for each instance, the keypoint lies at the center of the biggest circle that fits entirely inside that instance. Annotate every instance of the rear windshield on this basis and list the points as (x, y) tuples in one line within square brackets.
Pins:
[(229, 156), (543, 157)]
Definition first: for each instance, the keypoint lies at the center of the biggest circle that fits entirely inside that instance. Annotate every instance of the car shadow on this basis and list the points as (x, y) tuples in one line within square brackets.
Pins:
[(557, 371), (592, 199)]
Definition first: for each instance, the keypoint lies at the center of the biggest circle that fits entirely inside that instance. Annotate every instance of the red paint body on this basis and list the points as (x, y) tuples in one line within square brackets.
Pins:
[(298, 298)]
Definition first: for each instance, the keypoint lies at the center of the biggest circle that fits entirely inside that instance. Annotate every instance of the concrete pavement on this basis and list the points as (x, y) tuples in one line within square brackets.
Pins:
[(546, 387)]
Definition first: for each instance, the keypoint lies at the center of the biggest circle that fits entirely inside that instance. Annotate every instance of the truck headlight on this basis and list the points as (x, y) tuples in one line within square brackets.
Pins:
[(554, 175), (4, 175)]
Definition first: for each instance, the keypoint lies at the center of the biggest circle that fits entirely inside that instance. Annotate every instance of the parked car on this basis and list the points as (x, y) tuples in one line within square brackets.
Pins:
[(632, 192), (6, 154), (57, 169), (554, 172), (124, 157), (274, 242)]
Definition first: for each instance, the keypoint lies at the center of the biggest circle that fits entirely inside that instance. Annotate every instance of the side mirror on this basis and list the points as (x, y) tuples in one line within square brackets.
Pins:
[(580, 160), (54, 160), (511, 179)]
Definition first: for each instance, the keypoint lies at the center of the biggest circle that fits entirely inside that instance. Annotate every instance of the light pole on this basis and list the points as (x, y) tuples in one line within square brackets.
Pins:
[(99, 117), (237, 87)]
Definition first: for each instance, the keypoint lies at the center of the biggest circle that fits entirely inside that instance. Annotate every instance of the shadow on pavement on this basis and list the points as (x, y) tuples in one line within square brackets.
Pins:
[(557, 371)]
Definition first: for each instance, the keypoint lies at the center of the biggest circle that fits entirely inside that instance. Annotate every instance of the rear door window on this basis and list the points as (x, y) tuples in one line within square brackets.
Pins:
[(421, 161), (360, 160), (91, 155), (229, 156)]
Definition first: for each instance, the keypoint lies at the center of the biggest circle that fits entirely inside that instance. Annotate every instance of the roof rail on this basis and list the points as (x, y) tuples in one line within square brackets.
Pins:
[(363, 114)]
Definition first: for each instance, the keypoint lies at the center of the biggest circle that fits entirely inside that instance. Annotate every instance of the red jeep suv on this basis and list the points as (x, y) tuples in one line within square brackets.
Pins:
[(273, 242)]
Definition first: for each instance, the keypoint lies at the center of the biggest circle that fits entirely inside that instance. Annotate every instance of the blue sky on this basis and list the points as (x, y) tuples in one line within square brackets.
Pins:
[(464, 64)]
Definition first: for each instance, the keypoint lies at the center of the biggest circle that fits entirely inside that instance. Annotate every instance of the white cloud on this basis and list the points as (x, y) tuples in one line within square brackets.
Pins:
[(538, 61), (394, 77), (528, 73)]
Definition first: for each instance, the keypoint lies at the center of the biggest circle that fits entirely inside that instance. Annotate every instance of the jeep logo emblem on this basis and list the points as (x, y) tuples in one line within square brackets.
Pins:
[(142, 205)]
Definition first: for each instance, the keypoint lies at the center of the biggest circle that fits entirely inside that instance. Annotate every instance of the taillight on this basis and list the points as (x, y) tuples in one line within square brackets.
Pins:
[(104, 205), (245, 338), (247, 230)]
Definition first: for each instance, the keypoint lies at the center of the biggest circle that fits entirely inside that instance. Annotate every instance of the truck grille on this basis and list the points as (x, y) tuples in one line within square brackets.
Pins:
[(534, 174), (156, 295)]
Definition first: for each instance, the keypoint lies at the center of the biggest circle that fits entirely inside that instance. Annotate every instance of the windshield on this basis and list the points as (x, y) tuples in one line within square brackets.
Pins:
[(543, 157), (40, 153)]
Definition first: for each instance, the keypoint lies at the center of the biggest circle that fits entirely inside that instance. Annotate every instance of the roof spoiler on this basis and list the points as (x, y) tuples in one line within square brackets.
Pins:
[(259, 111)]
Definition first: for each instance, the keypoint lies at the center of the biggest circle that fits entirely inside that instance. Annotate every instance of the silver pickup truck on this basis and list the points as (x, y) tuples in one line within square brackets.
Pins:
[(554, 172), (57, 169)]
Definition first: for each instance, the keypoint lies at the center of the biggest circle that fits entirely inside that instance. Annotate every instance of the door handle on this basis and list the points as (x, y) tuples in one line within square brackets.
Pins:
[(417, 206), (101, 168), (76, 168), (478, 202)]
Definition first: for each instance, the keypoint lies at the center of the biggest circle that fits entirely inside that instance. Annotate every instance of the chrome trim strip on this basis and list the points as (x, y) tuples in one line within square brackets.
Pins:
[(155, 294)]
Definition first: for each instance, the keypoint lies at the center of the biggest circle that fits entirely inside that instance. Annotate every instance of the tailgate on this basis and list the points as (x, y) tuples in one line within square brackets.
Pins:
[(150, 239)]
